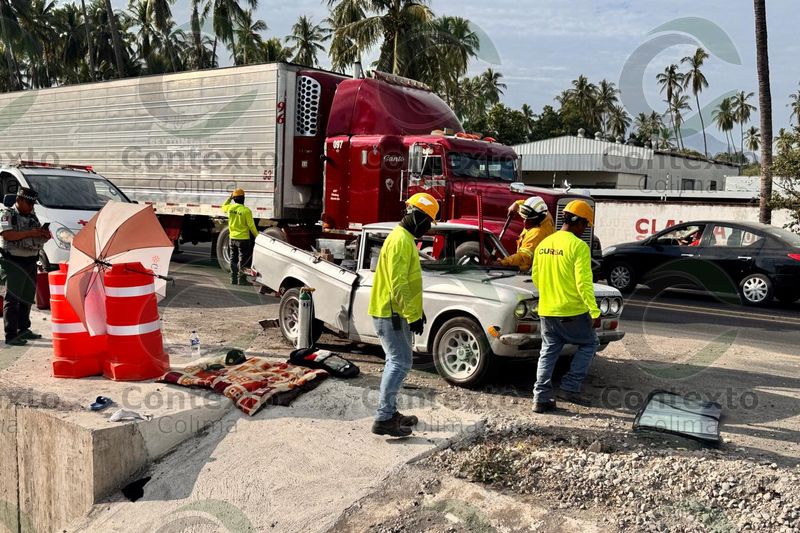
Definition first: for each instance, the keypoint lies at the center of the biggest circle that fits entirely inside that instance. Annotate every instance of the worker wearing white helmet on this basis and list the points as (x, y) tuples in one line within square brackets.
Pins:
[(538, 225)]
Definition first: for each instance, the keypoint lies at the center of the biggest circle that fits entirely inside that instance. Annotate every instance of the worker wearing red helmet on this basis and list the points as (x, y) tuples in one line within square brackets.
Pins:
[(562, 273), (538, 225), (395, 305)]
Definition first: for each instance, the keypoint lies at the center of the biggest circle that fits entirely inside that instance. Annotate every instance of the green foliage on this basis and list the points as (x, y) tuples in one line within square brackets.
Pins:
[(508, 126), (787, 166), (753, 169)]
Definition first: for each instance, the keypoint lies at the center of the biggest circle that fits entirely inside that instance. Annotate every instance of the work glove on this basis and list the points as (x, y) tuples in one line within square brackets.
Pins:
[(418, 325)]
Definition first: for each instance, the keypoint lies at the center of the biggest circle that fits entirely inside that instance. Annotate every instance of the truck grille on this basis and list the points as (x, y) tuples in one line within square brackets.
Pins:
[(309, 92), (562, 202)]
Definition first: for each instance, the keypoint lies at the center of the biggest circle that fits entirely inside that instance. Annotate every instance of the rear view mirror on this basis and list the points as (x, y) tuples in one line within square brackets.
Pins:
[(9, 200), (415, 160)]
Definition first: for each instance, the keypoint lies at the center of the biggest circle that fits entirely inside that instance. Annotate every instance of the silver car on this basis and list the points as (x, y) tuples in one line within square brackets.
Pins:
[(475, 313)]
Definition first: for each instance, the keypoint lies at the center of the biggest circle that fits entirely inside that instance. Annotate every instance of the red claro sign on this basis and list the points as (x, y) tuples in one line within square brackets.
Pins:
[(648, 226)]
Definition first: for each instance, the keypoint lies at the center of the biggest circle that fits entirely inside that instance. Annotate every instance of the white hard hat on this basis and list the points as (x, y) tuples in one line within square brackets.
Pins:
[(533, 207)]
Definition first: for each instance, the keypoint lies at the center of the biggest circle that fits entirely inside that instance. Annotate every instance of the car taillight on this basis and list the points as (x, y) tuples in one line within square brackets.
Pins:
[(796, 257)]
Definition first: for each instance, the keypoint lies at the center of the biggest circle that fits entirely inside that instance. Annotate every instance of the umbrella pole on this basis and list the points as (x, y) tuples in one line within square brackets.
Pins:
[(165, 278)]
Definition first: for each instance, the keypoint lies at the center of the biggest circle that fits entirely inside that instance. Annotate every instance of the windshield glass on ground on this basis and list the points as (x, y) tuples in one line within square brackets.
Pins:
[(74, 192), (467, 165)]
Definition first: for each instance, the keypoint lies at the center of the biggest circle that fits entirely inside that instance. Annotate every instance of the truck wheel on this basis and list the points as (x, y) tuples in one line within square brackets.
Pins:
[(224, 250), (468, 252), (276, 233), (621, 276), (289, 314), (461, 352), (756, 289)]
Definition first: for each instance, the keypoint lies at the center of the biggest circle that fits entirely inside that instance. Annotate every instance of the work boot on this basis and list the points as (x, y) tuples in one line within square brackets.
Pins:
[(16, 341), (407, 420), (573, 397), (28, 335), (544, 407), (234, 279), (391, 427)]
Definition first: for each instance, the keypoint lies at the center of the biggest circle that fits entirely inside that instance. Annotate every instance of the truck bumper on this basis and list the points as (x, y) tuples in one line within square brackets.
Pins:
[(527, 345)]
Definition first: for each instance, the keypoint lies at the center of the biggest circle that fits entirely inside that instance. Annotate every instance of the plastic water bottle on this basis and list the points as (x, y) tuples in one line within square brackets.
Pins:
[(194, 343)]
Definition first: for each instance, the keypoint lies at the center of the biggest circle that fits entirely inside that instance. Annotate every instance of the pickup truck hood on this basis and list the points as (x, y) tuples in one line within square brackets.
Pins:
[(480, 282)]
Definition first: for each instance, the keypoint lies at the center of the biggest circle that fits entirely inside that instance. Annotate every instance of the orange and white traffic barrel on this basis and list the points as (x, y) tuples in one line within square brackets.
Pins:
[(135, 346), (76, 354)]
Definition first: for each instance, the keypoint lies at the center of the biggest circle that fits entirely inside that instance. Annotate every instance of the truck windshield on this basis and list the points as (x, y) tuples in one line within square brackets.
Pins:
[(74, 192), (468, 165)]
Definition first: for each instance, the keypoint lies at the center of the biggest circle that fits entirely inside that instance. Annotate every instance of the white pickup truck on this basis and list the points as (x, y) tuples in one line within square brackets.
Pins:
[(475, 313)]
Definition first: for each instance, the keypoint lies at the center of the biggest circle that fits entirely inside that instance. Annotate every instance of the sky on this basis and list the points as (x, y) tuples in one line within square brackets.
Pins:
[(542, 45)]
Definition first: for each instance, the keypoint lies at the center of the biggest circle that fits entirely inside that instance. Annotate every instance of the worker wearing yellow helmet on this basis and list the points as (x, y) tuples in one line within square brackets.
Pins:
[(562, 273), (395, 305), (538, 225), (241, 230)]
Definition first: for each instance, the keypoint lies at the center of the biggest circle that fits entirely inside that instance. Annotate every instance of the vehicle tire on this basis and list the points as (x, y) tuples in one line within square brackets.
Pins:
[(224, 250), (461, 352), (288, 314), (621, 276), (468, 252), (276, 233), (756, 289)]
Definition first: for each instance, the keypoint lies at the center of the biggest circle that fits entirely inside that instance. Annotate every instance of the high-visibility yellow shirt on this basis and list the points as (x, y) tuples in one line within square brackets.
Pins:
[(527, 242), (562, 272), (397, 285), (240, 221)]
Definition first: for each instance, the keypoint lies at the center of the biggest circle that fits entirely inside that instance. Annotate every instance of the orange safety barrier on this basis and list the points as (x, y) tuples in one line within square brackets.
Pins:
[(76, 354), (135, 346)]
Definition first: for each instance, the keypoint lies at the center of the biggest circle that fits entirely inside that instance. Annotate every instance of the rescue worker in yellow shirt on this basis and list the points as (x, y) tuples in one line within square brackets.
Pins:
[(241, 227), (395, 304), (538, 226), (562, 273)]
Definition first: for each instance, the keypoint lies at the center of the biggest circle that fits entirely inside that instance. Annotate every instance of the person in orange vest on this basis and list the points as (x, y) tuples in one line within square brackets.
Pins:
[(241, 227), (562, 273), (538, 225)]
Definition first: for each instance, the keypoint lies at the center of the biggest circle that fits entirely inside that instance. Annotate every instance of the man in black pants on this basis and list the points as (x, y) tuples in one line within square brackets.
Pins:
[(23, 238), (241, 230)]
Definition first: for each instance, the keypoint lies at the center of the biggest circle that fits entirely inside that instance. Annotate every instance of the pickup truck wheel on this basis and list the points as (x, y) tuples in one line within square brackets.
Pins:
[(461, 352), (224, 250), (289, 314)]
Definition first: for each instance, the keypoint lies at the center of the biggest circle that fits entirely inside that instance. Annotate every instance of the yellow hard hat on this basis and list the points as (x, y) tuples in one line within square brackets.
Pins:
[(425, 203), (237, 192), (579, 208)]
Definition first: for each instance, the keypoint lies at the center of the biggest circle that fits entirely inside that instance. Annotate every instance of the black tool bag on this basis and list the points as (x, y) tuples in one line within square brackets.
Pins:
[(332, 362)]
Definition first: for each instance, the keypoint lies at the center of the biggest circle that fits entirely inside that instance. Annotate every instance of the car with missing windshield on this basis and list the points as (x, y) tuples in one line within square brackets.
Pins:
[(69, 196), (476, 312), (752, 261)]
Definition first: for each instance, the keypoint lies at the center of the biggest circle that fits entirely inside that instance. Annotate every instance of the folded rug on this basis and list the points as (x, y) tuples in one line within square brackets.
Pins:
[(252, 384)]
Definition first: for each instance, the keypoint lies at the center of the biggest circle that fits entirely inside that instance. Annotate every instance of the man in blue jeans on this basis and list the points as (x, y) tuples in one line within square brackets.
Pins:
[(562, 272), (395, 305)]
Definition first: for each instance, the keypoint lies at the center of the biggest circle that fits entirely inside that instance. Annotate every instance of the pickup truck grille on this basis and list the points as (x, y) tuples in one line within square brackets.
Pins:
[(588, 234), (309, 92)]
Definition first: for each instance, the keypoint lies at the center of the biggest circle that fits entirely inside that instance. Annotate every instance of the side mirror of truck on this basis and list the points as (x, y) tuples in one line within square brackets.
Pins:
[(415, 160), (517, 187), (9, 200)]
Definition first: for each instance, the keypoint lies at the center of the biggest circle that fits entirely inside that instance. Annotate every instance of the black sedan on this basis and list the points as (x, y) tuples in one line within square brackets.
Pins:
[(753, 261)]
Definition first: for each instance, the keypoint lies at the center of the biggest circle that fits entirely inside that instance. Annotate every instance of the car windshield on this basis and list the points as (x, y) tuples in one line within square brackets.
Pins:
[(467, 165), (88, 192), (785, 235)]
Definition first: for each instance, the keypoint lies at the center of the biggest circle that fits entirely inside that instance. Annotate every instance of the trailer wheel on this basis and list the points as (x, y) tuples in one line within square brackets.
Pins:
[(224, 250), (288, 315)]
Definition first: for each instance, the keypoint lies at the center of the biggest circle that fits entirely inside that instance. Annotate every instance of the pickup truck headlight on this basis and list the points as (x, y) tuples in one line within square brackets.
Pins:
[(604, 305), (521, 310), (64, 237), (616, 306)]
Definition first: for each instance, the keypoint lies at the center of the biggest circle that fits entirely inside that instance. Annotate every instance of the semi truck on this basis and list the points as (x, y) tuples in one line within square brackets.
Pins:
[(317, 152)]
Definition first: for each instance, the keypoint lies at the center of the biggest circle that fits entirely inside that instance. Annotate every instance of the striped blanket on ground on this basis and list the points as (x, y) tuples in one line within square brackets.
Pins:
[(252, 384)]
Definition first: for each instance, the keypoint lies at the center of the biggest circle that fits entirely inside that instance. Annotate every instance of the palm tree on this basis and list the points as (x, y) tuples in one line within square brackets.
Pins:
[(160, 14), (753, 139), (492, 86), (307, 39), (742, 110), (583, 95), (116, 40), (784, 141), (248, 37), (272, 50), (605, 100), (695, 78), (200, 10), (643, 127), (794, 105), (225, 14), (664, 141), (344, 50), (445, 59), (530, 117), (724, 117), (679, 104), (394, 24), (670, 81), (765, 104), (89, 44), (618, 121), (11, 13)]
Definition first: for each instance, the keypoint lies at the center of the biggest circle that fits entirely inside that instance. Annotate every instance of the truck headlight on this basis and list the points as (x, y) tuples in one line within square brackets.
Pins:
[(609, 250), (616, 306), (64, 237), (604, 306), (521, 310)]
